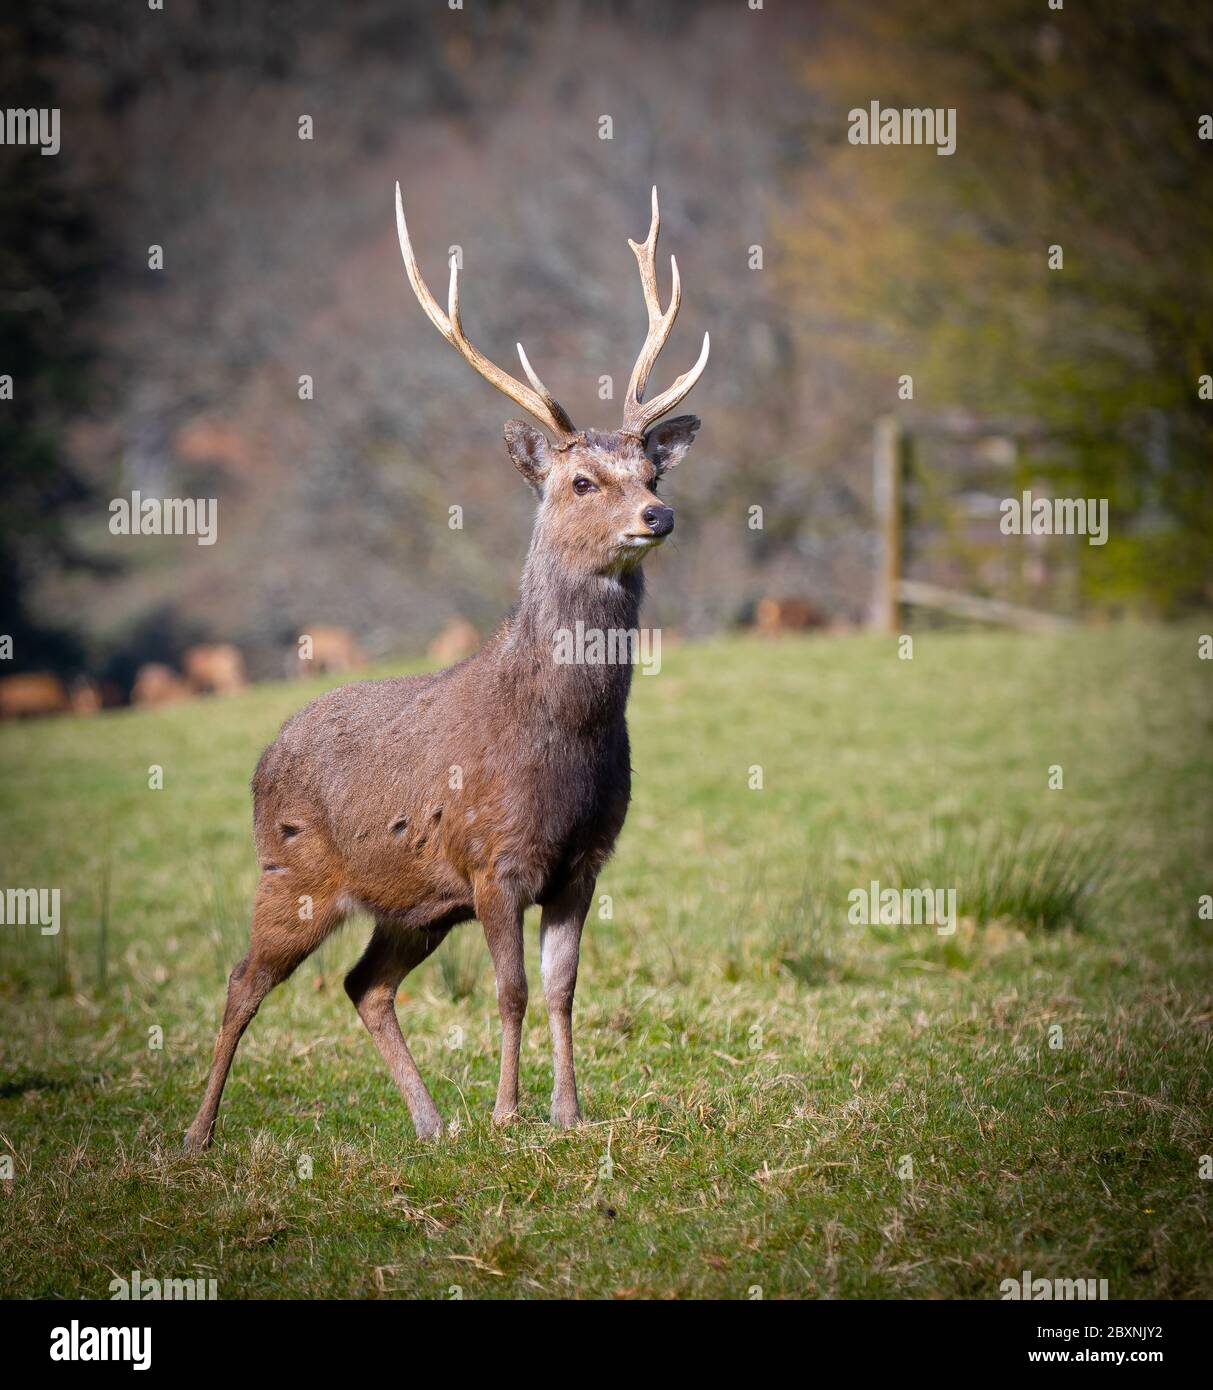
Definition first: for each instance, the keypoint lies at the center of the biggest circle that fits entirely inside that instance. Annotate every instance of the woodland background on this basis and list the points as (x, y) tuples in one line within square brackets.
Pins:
[(1076, 127)]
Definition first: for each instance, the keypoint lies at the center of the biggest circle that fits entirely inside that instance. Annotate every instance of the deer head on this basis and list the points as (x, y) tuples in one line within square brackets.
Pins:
[(599, 509)]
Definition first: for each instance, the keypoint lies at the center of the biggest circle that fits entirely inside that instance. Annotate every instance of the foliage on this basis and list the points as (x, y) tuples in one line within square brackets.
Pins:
[(1076, 130)]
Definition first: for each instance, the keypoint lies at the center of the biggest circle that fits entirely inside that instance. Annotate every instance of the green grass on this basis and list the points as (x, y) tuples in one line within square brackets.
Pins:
[(753, 1067)]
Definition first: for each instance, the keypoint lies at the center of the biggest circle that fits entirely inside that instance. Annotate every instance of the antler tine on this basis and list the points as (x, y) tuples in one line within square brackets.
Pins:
[(653, 410), (413, 271), (646, 254), (548, 399), (637, 417), (659, 323), (540, 402)]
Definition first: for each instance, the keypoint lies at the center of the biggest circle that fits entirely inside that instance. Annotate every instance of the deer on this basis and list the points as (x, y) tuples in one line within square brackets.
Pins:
[(492, 786)]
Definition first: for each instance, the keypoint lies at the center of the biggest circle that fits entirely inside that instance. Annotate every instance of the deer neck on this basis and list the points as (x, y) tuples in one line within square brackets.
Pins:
[(553, 645)]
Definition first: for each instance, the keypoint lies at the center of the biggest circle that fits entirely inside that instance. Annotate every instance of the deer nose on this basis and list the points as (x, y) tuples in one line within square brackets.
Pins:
[(659, 520)]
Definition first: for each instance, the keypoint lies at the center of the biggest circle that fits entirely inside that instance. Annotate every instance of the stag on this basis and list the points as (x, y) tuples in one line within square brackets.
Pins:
[(488, 787)]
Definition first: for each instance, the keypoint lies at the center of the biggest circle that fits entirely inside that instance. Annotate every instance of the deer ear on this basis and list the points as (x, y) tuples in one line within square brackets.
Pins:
[(667, 443), (529, 450)]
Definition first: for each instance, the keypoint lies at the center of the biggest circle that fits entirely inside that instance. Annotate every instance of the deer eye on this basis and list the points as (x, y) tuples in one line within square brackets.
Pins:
[(583, 485)]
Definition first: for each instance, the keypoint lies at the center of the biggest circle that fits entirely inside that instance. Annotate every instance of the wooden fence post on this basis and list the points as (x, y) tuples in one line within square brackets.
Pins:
[(886, 502)]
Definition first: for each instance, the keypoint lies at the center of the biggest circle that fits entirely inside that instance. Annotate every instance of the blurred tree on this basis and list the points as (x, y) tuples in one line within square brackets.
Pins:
[(1077, 129), (49, 264), (280, 259)]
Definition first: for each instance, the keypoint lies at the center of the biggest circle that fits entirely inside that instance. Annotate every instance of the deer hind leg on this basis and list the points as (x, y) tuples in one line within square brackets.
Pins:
[(280, 940), (372, 984), (559, 951), (501, 917)]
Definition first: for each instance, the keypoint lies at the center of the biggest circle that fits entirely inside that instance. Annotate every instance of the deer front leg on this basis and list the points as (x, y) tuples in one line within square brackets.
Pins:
[(559, 951), (500, 915)]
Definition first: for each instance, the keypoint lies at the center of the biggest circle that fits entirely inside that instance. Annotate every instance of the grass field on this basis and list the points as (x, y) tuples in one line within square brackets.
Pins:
[(776, 1098)]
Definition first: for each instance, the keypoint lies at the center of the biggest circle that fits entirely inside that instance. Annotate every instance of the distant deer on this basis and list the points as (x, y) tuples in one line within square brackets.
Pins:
[(482, 789), (216, 668)]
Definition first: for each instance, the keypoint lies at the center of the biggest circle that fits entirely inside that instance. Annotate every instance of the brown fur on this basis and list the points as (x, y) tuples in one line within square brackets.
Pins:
[(216, 668), (156, 684), (456, 642), (774, 616), (333, 650), (476, 791), (32, 693)]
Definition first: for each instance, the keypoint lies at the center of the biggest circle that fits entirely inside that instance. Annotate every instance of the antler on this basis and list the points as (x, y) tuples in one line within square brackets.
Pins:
[(637, 416), (540, 402)]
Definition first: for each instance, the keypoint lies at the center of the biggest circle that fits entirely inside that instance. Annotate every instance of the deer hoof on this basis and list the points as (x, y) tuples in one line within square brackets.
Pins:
[(429, 1127), (196, 1143), (505, 1117), (566, 1116)]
